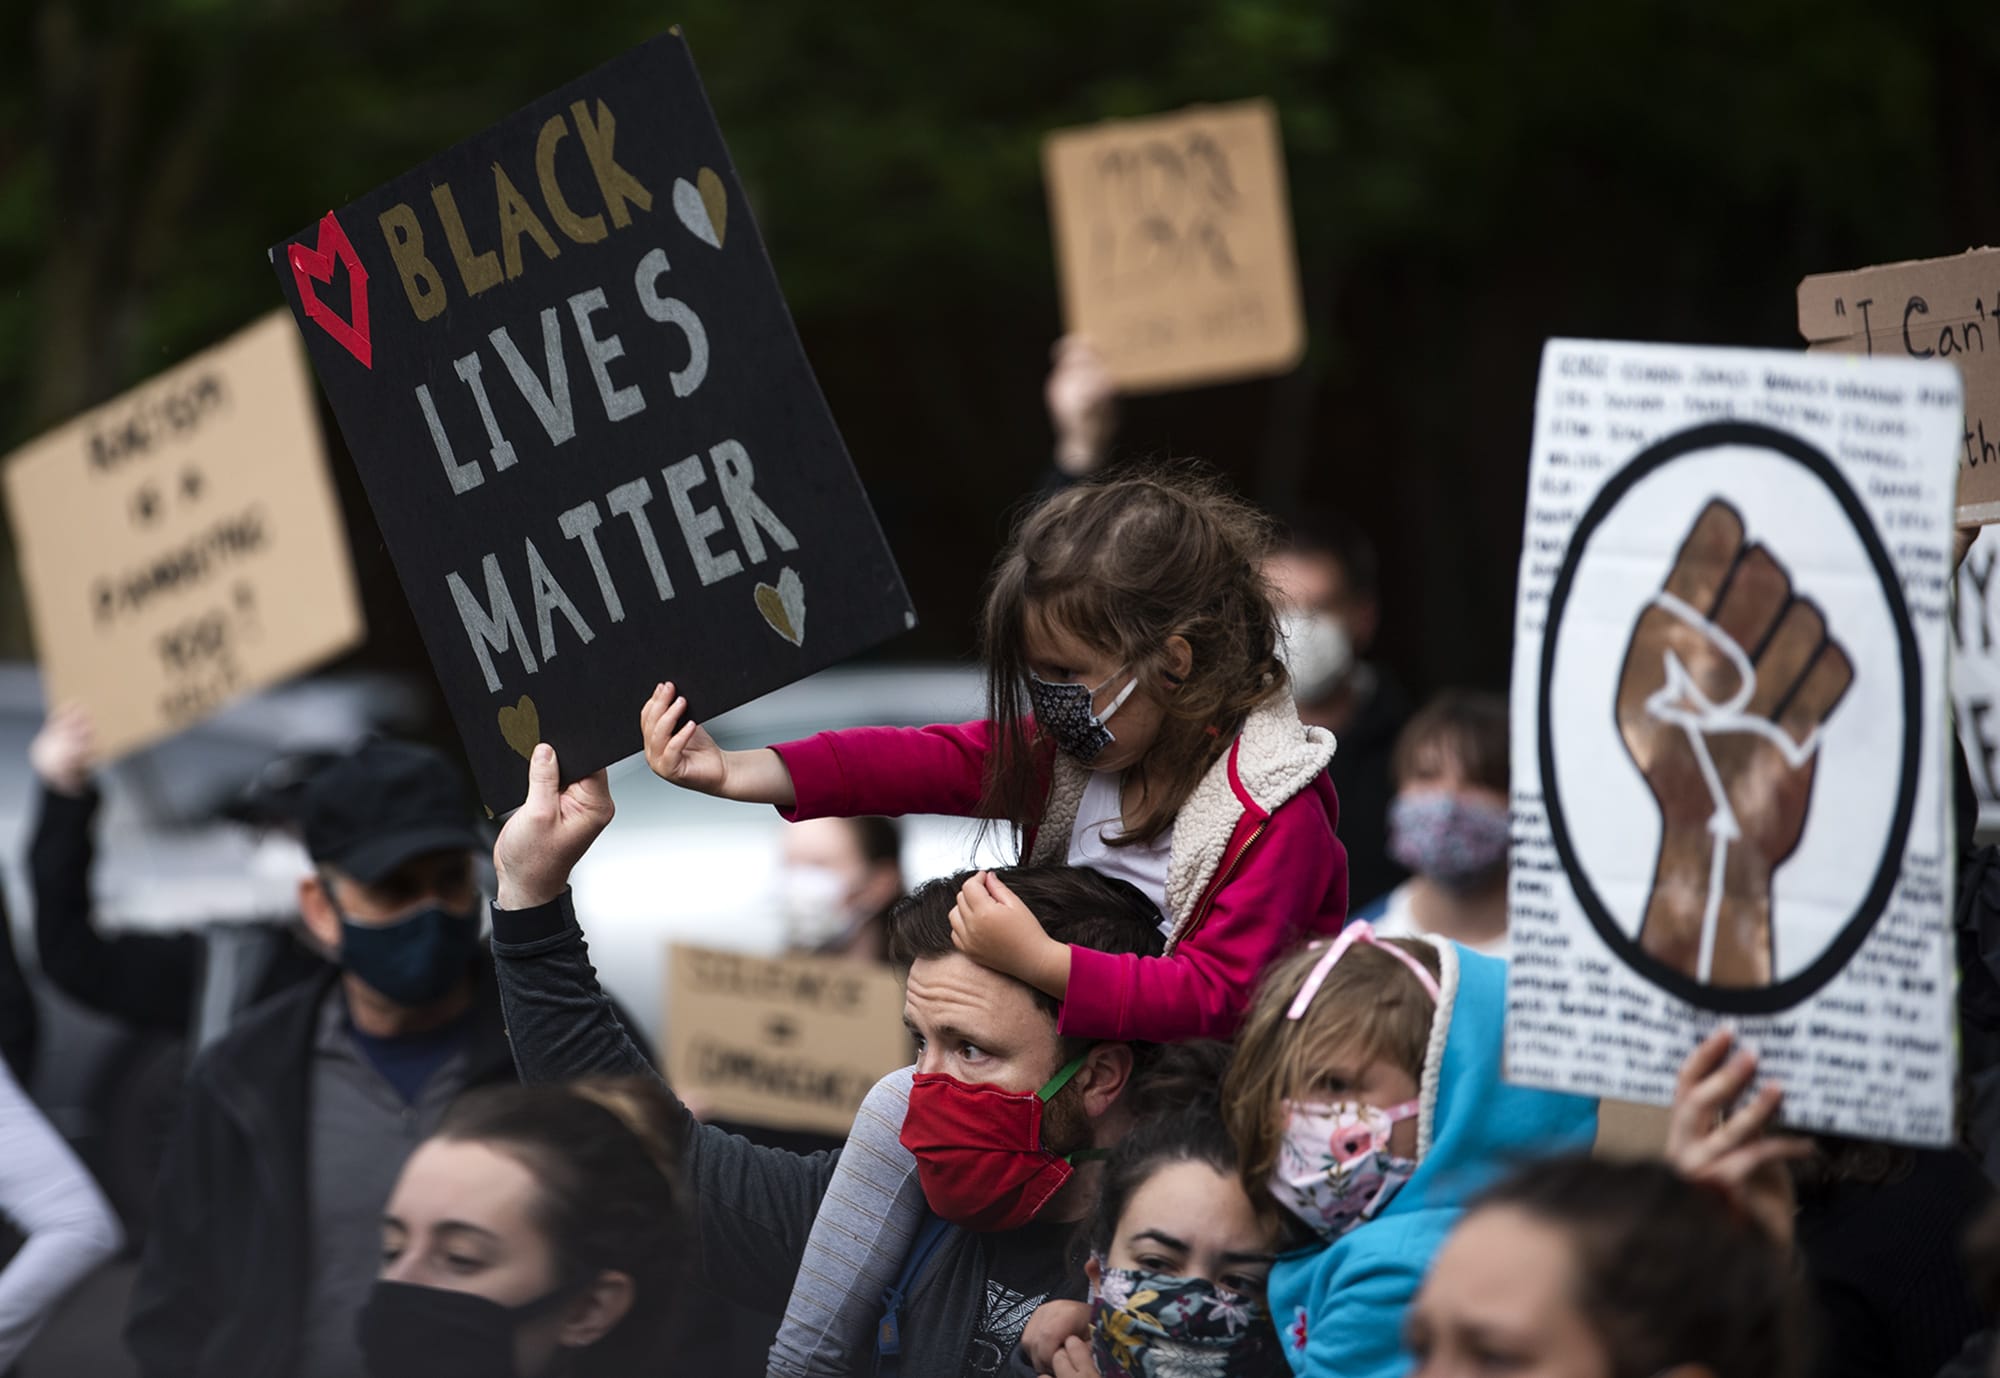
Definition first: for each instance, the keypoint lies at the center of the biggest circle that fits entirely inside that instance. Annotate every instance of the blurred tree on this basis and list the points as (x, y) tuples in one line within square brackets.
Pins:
[(1467, 179)]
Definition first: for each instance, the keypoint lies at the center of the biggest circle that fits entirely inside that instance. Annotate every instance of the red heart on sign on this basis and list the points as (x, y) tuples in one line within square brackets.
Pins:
[(310, 265)]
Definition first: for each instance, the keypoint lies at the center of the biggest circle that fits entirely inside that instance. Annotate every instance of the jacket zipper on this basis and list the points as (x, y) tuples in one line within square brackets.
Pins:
[(1215, 887)]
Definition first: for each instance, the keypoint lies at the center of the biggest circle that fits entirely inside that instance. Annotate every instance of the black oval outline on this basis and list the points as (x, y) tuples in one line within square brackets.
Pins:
[(1785, 994)]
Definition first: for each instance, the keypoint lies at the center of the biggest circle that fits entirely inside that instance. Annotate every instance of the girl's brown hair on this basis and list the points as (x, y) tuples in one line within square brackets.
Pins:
[(1369, 1007), (1122, 564)]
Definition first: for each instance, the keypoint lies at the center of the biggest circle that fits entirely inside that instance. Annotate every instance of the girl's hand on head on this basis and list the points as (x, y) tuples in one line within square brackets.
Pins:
[(1053, 1323), (1733, 1151), (681, 753), (994, 928), (1073, 1360)]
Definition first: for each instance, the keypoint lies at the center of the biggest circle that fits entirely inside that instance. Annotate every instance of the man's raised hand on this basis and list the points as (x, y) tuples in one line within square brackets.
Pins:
[(64, 751), (545, 838)]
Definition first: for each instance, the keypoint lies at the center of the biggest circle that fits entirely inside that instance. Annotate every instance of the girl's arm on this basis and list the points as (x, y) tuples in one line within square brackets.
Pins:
[(863, 770), (887, 770), (1202, 990), (864, 1230), (682, 753)]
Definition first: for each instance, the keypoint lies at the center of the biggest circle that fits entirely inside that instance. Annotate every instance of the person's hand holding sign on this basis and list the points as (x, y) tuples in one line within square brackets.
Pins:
[(545, 838), (1083, 405), (682, 753), (64, 751), (1719, 1136), (1726, 685)]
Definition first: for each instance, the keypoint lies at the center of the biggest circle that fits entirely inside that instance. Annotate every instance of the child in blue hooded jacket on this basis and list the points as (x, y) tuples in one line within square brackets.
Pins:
[(1366, 1097)]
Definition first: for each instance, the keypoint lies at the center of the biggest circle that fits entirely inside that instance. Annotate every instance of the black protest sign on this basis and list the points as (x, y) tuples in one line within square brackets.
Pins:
[(586, 424)]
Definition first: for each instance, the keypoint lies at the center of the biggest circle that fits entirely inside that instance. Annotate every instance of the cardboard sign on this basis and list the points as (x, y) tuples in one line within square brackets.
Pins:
[(1174, 241), (587, 426), (790, 1042), (1731, 796), (181, 545), (1934, 308), (1975, 672)]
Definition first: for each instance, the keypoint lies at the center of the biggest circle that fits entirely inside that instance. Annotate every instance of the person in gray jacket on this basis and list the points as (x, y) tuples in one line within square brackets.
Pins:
[(1005, 1117)]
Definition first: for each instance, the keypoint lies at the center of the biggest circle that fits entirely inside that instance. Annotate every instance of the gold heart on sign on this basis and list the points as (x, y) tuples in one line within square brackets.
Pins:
[(784, 607), (715, 201), (773, 608), (521, 725)]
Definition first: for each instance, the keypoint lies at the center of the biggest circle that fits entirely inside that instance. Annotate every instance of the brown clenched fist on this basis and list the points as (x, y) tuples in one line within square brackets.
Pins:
[(1726, 685)]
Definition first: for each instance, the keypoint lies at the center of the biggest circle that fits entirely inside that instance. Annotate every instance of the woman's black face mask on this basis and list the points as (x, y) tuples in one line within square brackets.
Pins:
[(407, 1331)]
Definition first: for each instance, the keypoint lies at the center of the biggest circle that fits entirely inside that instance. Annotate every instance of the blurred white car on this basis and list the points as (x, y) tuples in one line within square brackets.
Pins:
[(675, 866)]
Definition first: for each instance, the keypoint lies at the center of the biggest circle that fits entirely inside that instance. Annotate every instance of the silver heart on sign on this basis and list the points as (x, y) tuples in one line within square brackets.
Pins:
[(703, 206)]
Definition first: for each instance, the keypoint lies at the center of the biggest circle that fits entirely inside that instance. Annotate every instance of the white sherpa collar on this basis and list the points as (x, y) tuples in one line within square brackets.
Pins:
[(1427, 1092), (1276, 757)]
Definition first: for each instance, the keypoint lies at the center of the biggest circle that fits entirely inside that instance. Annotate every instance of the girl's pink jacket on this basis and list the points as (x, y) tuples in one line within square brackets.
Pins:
[(1254, 868)]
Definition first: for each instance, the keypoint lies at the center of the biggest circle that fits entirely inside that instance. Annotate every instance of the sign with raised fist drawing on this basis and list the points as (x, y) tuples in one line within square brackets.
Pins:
[(1730, 793), (1728, 679)]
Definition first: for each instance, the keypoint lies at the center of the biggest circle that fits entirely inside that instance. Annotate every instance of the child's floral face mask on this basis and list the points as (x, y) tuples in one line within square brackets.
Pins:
[(1334, 1168)]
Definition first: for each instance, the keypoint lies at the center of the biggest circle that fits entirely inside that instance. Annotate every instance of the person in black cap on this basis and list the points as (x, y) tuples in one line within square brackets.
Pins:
[(266, 1225), (194, 982)]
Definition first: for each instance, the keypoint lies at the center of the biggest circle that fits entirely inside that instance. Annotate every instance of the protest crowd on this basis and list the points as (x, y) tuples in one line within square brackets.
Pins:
[(1190, 1096), (1235, 1064)]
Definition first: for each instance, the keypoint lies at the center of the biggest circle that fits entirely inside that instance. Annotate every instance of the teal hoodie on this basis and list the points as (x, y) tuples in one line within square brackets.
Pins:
[(1339, 1306)]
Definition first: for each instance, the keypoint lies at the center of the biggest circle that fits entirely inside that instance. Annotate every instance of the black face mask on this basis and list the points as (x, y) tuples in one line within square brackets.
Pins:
[(408, 1331), (415, 960)]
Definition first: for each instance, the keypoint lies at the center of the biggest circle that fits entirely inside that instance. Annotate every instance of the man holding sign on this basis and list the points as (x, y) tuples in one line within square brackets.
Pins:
[(586, 424), (1005, 1159)]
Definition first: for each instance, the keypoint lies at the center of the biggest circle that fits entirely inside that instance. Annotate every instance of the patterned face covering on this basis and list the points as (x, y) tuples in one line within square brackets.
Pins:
[(1145, 1325), (1067, 713), (1334, 1168), (1459, 843)]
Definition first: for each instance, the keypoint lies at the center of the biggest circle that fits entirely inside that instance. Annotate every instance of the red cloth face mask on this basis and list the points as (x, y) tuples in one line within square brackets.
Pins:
[(979, 1150)]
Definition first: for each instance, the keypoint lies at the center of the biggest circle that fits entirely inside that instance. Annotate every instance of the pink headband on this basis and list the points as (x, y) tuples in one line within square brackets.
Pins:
[(1360, 931)]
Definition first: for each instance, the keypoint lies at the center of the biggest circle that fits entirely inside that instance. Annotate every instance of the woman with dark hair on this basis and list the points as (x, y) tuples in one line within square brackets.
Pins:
[(1178, 1251), (535, 1234), (1581, 1268)]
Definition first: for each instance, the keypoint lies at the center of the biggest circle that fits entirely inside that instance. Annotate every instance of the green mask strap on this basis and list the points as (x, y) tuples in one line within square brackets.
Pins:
[(1048, 1093), (1061, 1079)]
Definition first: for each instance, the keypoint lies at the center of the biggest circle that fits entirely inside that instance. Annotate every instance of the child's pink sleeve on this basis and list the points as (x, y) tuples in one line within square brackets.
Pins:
[(1293, 885), (888, 770)]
